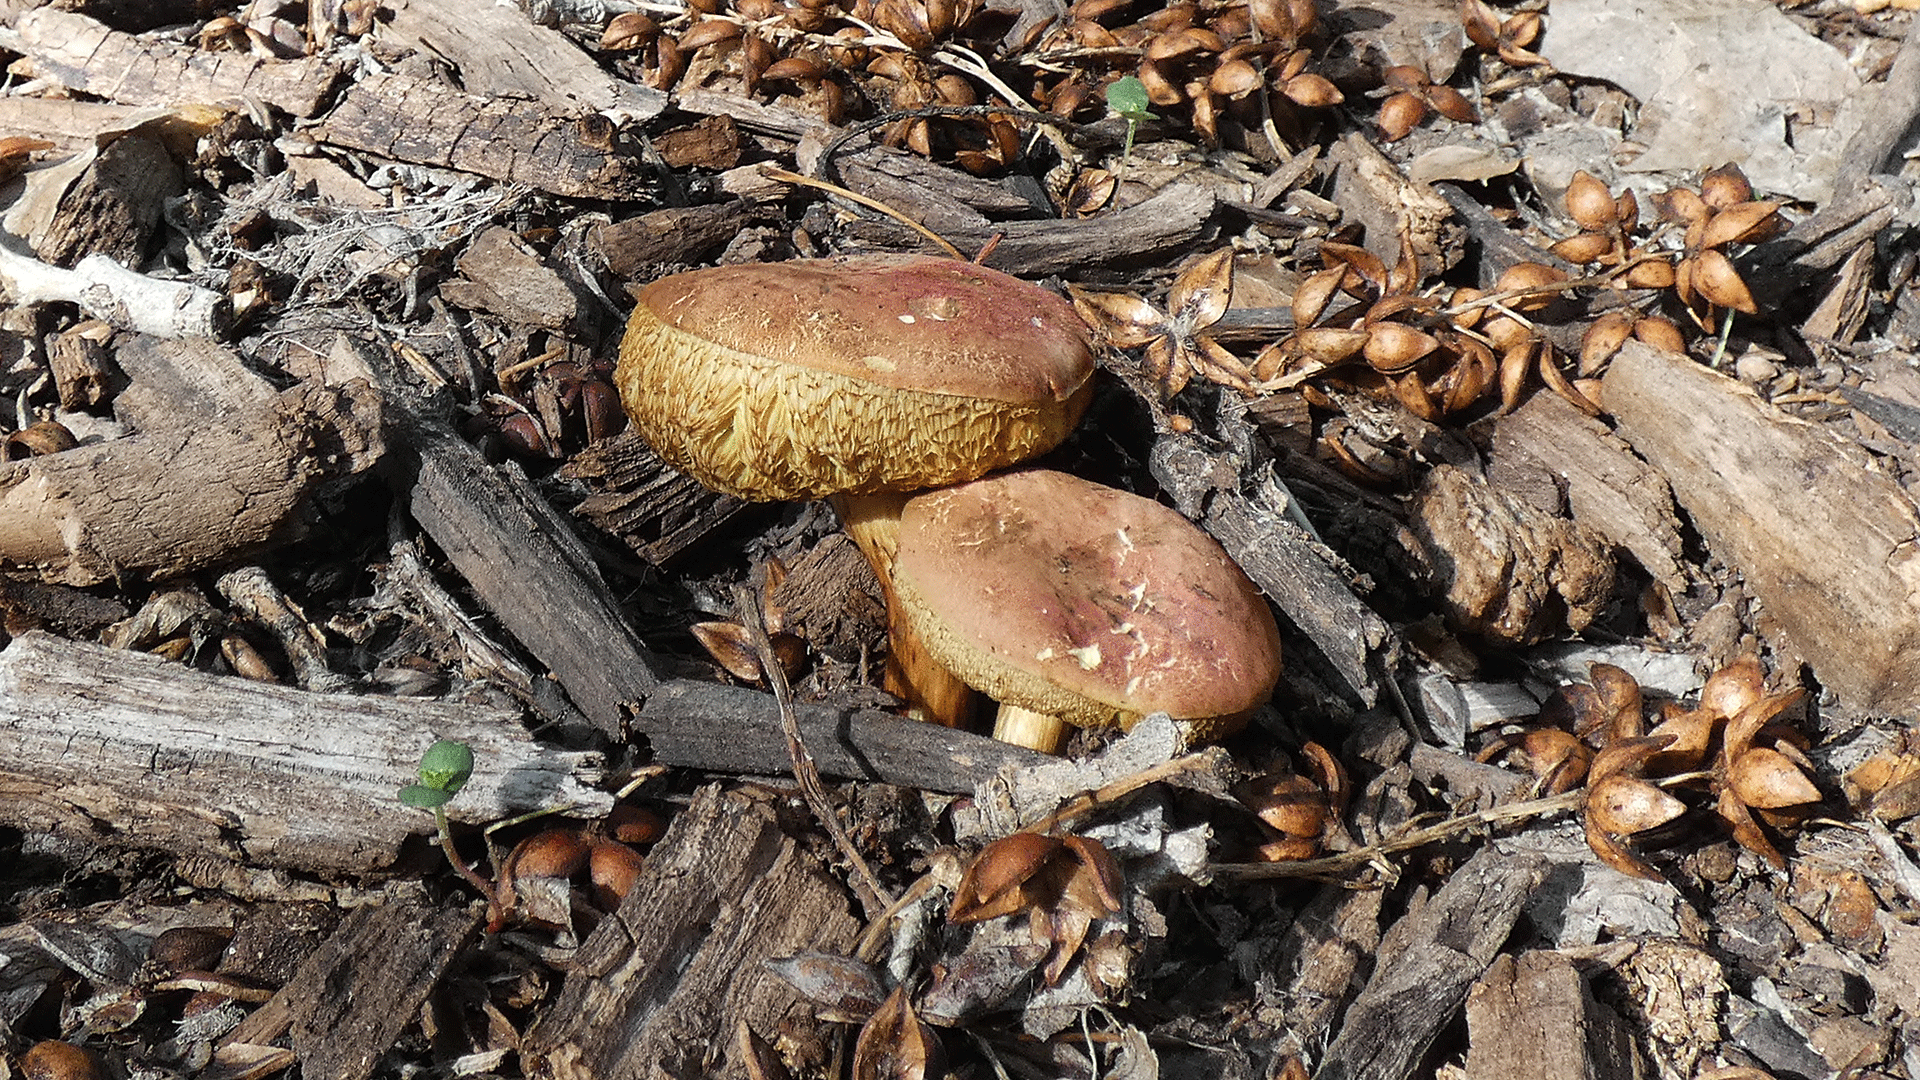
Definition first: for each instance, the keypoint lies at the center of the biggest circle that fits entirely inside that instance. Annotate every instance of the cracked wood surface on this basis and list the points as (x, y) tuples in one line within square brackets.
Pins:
[(105, 743)]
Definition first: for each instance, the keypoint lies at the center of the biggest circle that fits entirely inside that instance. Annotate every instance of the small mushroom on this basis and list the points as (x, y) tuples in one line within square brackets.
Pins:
[(1083, 605), (855, 379)]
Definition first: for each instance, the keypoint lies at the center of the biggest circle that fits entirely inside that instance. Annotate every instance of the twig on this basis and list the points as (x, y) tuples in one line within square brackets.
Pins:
[(1336, 866), (777, 173), (873, 896)]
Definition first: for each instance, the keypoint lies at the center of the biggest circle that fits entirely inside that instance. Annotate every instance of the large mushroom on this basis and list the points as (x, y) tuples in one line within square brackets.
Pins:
[(855, 379), (1073, 603)]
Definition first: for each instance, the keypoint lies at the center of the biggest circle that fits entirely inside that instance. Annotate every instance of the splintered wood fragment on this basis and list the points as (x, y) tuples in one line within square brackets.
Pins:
[(1608, 489), (1534, 1019), (521, 142), (654, 508), (83, 54), (219, 465), (657, 989), (672, 234), (1829, 545), (1426, 964), (502, 273), (1174, 218), (500, 52), (1297, 572), (72, 126), (351, 1000), (735, 729), (110, 292), (114, 207), (527, 567), (107, 744)]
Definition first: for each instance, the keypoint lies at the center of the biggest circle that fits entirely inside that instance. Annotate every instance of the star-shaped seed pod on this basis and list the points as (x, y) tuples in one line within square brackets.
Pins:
[(1062, 883), (1619, 803), (1767, 782), (1414, 98), (1178, 346), (1723, 213), (1507, 38), (1298, 808)]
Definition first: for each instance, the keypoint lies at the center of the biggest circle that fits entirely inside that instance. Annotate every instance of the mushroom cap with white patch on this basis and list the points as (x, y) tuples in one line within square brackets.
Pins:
[(1087, 603), (871, 374)]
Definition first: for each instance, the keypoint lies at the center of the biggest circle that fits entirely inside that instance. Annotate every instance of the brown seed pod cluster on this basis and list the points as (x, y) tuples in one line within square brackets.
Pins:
[(1414, 97), (1223, 63), (1754, 769), (1298, 809), (1506, 38), (1062, 884), (536, 880), (1723, 213), (548, 410)]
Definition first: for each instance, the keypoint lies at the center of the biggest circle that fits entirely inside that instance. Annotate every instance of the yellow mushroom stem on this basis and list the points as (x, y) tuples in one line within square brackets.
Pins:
[(1033, 730), (932, 693)]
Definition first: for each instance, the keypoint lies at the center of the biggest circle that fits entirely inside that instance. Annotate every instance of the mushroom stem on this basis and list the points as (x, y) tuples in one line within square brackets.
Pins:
[(1033, 730), (932, 693)]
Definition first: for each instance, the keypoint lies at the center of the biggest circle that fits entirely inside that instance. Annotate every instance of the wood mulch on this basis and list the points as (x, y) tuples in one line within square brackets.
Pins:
[(312, 459)]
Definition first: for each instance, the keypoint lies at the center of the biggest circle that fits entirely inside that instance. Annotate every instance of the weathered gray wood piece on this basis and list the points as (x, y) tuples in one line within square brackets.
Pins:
[(659, 988), (127, 747), (1426, 964), (525, 565), (735, 729), (1828, 543), (1534, 1019), (83, 54), (350, 1001)]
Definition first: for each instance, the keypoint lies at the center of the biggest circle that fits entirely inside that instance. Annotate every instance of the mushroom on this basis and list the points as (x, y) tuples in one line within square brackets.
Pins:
[(854, 379), (1073, 603)]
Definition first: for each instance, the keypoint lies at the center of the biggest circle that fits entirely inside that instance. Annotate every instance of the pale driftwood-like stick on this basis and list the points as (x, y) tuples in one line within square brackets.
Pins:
[(1827, 543), (83, 53), (734, 729), (106, 290), (218, 467), (657, 990), (102, 743), (1427, 962)]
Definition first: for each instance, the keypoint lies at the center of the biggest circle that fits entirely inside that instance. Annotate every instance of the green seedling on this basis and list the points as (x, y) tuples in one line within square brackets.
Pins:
[(444, 769), (1127, 99)]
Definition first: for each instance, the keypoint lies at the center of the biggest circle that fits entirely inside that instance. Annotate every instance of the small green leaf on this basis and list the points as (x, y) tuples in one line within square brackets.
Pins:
[(424, 798), (1128, 97), (446, 766)]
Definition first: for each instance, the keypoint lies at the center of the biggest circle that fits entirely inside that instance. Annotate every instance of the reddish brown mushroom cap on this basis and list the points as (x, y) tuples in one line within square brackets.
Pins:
[(1087, 603), (883, 373)]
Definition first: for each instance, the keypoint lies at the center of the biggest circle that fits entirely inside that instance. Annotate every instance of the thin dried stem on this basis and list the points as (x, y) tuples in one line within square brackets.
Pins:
[(873, 896)]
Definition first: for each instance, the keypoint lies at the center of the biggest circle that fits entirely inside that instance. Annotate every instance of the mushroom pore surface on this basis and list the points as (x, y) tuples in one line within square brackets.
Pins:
[(1087, 603), (801, 379)]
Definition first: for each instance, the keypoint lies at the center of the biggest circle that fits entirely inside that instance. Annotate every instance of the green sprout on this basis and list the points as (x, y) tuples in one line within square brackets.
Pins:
[(444, 769), (1127, 98)]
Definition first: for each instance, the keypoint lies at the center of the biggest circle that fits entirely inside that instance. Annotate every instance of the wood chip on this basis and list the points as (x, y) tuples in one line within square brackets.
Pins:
[(1825, 541), (1535, 1019)]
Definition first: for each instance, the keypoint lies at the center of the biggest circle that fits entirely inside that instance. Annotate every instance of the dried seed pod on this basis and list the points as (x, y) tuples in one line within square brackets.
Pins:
[(57, 1060), (633, 824), (1730, 690), (1234, 79), (1515, 362), (1623, 805), (1765, 779), (1725, 186), (1311, 298), (1313, 91), (991, 885), (1604, 338), (1533, 276), (1289, 804), (1556, 381), (670, 62), (1681, 205), (555, 853), (1329, 345), (1589, 203), (613, 867), (38, 440), (1651, 274), (1661, 333), (1741, 223), (1452, 104), (627, 31), (1586, 247), (1399, 115), (1394, 347), (709, 32), (1720, 284), (1160, 90)]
